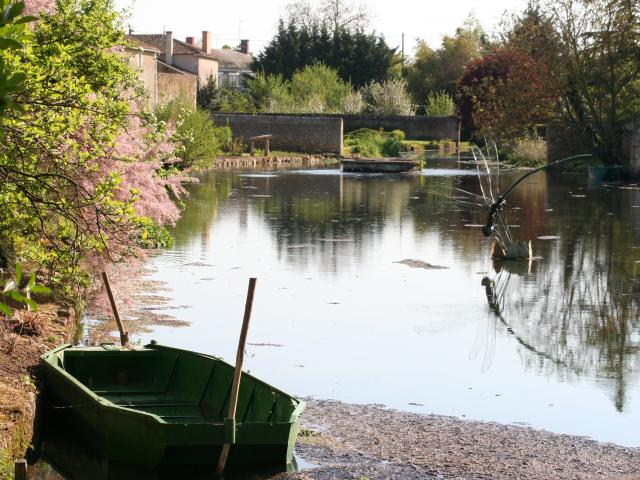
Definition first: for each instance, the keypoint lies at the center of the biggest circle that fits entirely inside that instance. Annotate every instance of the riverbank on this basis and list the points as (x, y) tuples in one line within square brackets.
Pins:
[(370, 442), (22, 340)]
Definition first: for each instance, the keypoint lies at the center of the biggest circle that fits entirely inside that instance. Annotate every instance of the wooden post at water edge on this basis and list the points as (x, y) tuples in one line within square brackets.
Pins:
[(235, 386), (124, 336)]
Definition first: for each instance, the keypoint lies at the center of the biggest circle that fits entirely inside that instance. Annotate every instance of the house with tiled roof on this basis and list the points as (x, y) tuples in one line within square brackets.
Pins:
[(233, 65), (143, 59), (183, 56), (162, 82)]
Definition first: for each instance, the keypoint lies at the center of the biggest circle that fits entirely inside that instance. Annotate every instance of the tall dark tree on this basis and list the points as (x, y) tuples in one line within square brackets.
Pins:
[(358, 57)]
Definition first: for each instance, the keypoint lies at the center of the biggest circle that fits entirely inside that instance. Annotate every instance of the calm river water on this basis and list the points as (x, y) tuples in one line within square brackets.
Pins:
[(554, 344)]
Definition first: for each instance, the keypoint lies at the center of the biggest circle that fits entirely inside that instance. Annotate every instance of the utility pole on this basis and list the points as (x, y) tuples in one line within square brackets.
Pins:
[(403, 49)]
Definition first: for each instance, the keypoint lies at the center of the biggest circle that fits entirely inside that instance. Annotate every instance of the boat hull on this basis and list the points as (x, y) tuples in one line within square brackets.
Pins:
[(378, 165), (154, 422)]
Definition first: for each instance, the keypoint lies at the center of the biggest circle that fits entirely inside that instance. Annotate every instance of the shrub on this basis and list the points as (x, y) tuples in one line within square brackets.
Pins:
[(528, 152), (439, 104), (236, 101), (353, 103), (391, 147), (375, 143), (399, 135), (270, 93), (318, 89), (388, 98), (199, 139)]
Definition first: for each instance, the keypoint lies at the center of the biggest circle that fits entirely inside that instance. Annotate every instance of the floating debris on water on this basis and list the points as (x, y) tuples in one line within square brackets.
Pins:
[(413, 263), (548, 237)]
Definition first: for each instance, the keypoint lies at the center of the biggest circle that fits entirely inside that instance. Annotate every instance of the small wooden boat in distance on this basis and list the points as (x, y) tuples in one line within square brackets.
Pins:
[(156, 405), (378, 165)]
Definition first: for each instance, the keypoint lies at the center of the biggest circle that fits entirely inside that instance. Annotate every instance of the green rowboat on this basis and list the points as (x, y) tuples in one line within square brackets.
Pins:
[(156, 405)]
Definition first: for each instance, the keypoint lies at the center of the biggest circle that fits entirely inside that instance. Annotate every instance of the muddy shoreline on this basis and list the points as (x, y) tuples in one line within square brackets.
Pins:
[(22, 340), (370, 442)]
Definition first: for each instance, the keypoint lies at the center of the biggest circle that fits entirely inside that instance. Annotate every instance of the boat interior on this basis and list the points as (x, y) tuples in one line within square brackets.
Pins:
[(177, 386)]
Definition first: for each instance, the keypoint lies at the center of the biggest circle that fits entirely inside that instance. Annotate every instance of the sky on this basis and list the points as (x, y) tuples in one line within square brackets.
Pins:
[(256, 20)]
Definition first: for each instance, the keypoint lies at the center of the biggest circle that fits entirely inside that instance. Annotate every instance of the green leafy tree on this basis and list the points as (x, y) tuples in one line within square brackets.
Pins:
[(533, 32), (435, 70), (12, 31), (600, 67), (70, 175)]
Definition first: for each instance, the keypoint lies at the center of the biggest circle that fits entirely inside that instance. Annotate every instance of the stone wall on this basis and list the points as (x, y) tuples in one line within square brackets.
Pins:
[(290, 133), (415, 127), (176, 85), (564, 140)]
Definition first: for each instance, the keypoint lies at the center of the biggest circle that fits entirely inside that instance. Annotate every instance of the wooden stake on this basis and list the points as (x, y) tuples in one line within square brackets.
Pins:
[(124, 336), (235, 386), (20, 470)]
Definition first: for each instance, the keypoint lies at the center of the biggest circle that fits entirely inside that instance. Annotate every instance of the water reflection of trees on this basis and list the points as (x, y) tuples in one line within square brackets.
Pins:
[(339, 215), (203, 202), (578, 312)]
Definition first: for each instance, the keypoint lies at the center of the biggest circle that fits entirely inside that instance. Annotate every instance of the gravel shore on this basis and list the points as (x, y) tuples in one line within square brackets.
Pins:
[(369, 442)]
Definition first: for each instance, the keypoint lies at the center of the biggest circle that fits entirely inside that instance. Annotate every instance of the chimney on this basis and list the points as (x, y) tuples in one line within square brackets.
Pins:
[(191, 41), (244, 46), (206, 41), (168, 48)]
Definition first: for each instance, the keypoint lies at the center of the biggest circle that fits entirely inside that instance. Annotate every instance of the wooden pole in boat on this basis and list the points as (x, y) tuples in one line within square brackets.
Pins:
[(124, 336), (235, 386)]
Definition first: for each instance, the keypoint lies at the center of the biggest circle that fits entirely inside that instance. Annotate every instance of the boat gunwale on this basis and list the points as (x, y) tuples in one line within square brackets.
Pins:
[(102, 402)]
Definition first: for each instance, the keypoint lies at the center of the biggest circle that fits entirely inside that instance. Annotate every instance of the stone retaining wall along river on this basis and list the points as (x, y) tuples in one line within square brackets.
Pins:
[(290, 133), (416, 127)]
